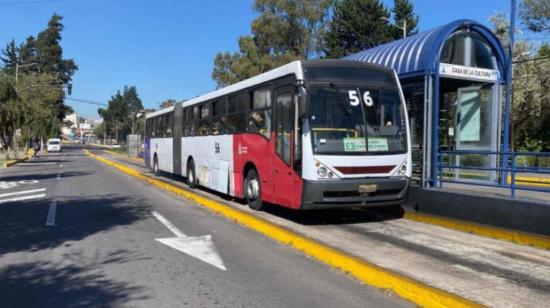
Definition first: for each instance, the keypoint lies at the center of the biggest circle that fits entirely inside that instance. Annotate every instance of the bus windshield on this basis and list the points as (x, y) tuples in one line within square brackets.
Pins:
[(356, 120)]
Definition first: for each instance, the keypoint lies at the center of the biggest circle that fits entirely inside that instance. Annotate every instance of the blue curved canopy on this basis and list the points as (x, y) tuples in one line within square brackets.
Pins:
[(419, 54)]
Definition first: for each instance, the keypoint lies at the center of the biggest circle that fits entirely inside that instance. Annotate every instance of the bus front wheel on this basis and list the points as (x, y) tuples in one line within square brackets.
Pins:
[(252, 190)]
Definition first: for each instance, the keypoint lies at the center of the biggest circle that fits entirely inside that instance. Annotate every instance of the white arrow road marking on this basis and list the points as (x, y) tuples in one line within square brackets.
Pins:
[(23, 192), (50, 220), (200, 247), (23, 198)]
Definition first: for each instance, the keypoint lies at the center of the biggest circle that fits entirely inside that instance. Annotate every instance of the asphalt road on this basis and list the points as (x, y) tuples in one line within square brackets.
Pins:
[(98, 248)]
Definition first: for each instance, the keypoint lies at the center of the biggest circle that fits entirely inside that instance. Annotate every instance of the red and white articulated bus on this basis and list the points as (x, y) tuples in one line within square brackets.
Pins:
[(306, 135)]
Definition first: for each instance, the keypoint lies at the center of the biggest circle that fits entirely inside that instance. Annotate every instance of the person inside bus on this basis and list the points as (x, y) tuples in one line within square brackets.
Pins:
[(256, 122)]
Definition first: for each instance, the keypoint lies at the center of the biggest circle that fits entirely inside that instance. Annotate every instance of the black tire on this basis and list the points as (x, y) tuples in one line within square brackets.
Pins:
[(252, 190), (156, 169), (191, 174)]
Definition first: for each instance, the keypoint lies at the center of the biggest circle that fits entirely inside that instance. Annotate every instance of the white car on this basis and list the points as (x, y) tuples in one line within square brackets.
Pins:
[(53, 145)]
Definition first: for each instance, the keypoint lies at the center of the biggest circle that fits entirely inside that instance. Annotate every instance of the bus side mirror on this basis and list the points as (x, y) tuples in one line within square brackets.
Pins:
[(301, 92)]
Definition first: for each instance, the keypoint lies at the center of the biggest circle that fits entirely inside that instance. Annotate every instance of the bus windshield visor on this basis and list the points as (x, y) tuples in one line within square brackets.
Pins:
[(357, 120)]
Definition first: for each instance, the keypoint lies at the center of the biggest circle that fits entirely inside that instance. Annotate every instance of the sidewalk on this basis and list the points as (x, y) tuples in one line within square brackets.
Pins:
[(490, 272)]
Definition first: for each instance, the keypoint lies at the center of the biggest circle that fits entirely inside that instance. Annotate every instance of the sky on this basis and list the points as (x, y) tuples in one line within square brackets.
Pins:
[(166, 48)]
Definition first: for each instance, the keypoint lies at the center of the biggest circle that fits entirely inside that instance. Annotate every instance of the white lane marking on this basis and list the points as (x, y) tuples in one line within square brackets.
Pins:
[(23, 192), (8, 185), (60, 165), (50, 219), (200, 247), (59, 176), (168, 224), (23, 198), (28, 182)]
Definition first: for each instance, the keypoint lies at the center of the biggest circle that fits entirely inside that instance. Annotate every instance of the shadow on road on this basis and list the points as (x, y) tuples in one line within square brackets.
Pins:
[(337, 216), (43, 159), (308, 217), (64, 284), (45, 176), (22, 225)]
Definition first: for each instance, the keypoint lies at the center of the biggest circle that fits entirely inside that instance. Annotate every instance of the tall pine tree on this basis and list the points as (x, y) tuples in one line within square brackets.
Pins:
[(356, 25), (50, 53), (10, 57)]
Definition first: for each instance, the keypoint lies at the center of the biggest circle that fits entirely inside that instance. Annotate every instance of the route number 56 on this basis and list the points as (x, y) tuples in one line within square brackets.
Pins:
[(355, 101)]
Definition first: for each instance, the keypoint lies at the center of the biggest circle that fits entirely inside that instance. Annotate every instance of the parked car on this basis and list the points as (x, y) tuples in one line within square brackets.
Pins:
[(53, 145)]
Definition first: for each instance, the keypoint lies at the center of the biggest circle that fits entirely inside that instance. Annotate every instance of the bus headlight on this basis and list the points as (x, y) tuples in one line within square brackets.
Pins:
[(403, 170), (322, 172)]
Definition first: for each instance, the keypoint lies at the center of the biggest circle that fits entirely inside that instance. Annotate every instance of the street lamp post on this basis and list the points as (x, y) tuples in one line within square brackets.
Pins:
[(403, 28)]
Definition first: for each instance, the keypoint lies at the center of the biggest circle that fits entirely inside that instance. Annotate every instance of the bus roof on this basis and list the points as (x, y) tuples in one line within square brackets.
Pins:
[(294, 67)]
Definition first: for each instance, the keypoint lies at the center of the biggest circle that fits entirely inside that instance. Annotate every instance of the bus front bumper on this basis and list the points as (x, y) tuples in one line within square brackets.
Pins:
[(351, 192)]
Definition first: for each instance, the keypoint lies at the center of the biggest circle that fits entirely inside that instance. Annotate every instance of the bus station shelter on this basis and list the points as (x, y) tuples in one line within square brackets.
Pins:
[(453, 80)]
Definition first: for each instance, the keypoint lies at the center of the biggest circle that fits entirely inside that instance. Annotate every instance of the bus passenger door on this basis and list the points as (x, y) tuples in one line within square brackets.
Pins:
[(283, 174)]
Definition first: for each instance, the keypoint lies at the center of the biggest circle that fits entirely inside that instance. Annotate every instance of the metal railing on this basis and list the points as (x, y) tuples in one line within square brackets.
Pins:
[(505, 176)]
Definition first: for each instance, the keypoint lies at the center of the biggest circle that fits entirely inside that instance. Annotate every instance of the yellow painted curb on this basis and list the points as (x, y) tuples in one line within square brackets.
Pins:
[(366, 272), (136, 159), (13, 162), (539, 241)]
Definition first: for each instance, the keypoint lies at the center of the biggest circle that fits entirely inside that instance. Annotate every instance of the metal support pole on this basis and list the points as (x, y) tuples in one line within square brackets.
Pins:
[(506, 134), (435, 129)]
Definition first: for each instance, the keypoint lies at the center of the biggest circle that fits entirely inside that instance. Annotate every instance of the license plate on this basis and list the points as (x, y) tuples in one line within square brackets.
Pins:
[(367, 188)]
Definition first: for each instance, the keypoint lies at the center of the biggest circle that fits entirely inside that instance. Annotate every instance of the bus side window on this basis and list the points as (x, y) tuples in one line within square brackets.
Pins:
[(259, 119), (204, 122), (195, 121), (169, 125)]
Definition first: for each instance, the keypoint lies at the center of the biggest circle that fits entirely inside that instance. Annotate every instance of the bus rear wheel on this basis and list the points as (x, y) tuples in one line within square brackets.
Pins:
[(252, 190), (156, 170), (191, 175)]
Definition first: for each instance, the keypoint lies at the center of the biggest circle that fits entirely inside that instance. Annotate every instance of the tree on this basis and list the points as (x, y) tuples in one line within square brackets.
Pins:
[(50, 53), (357, 25), (544, 51), (530, 119), (34, 104), (167, 103), (10, 57), (403, 10), (27, 53), (285, 30), (536, 14), (121, 112)]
